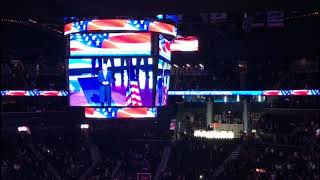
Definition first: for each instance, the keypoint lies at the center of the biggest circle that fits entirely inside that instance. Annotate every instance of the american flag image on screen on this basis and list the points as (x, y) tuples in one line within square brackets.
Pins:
[(187, 43), (16, 93), (165, 93), (164, 48), (110, 44), (173, 124), (120, 24), (129, 112), (106, 24), (163, 28), (133, 97), (314, 92)]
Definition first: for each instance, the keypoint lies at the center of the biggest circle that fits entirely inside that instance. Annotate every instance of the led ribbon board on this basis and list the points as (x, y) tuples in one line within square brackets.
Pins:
[(215, 93), (120, 24), (33, 93), (139, 112), (110, 44), (303, 92)]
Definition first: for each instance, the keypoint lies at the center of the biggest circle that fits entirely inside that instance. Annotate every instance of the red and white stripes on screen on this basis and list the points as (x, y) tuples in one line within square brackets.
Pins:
[(133, 97), (173, 124), (165, 95)]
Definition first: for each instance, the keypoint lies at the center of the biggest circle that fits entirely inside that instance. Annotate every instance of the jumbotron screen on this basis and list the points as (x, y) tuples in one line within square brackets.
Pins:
[(162, 86), (164, 48), (110, 44), (112, 82), (185, 43), (108, 113)]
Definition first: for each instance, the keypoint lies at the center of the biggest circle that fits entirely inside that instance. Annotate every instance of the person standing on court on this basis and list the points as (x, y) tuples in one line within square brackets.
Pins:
[(160, 91), (105, 78)]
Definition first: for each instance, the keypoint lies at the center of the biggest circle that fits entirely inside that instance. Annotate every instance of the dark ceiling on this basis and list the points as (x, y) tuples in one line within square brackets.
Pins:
[(145, 7), (299, 37)]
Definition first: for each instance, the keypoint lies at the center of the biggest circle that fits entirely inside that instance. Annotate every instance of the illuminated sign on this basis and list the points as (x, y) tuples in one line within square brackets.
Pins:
[(214, 134)]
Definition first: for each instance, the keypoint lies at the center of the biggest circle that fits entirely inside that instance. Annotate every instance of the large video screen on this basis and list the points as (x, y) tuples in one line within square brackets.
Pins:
[(110, 44), (112, 82), (105, 113), (120, 24), (163, 80), (164, 48), (187, 43)]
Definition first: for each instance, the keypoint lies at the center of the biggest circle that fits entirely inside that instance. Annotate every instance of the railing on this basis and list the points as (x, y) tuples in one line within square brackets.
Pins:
[(115, 170), (164, 161), (41, 158), (96, 158), (220, 168)]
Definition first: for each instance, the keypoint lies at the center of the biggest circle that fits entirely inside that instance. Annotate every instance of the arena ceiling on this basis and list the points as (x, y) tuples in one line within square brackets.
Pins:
[(144, 7), (215, 42)]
